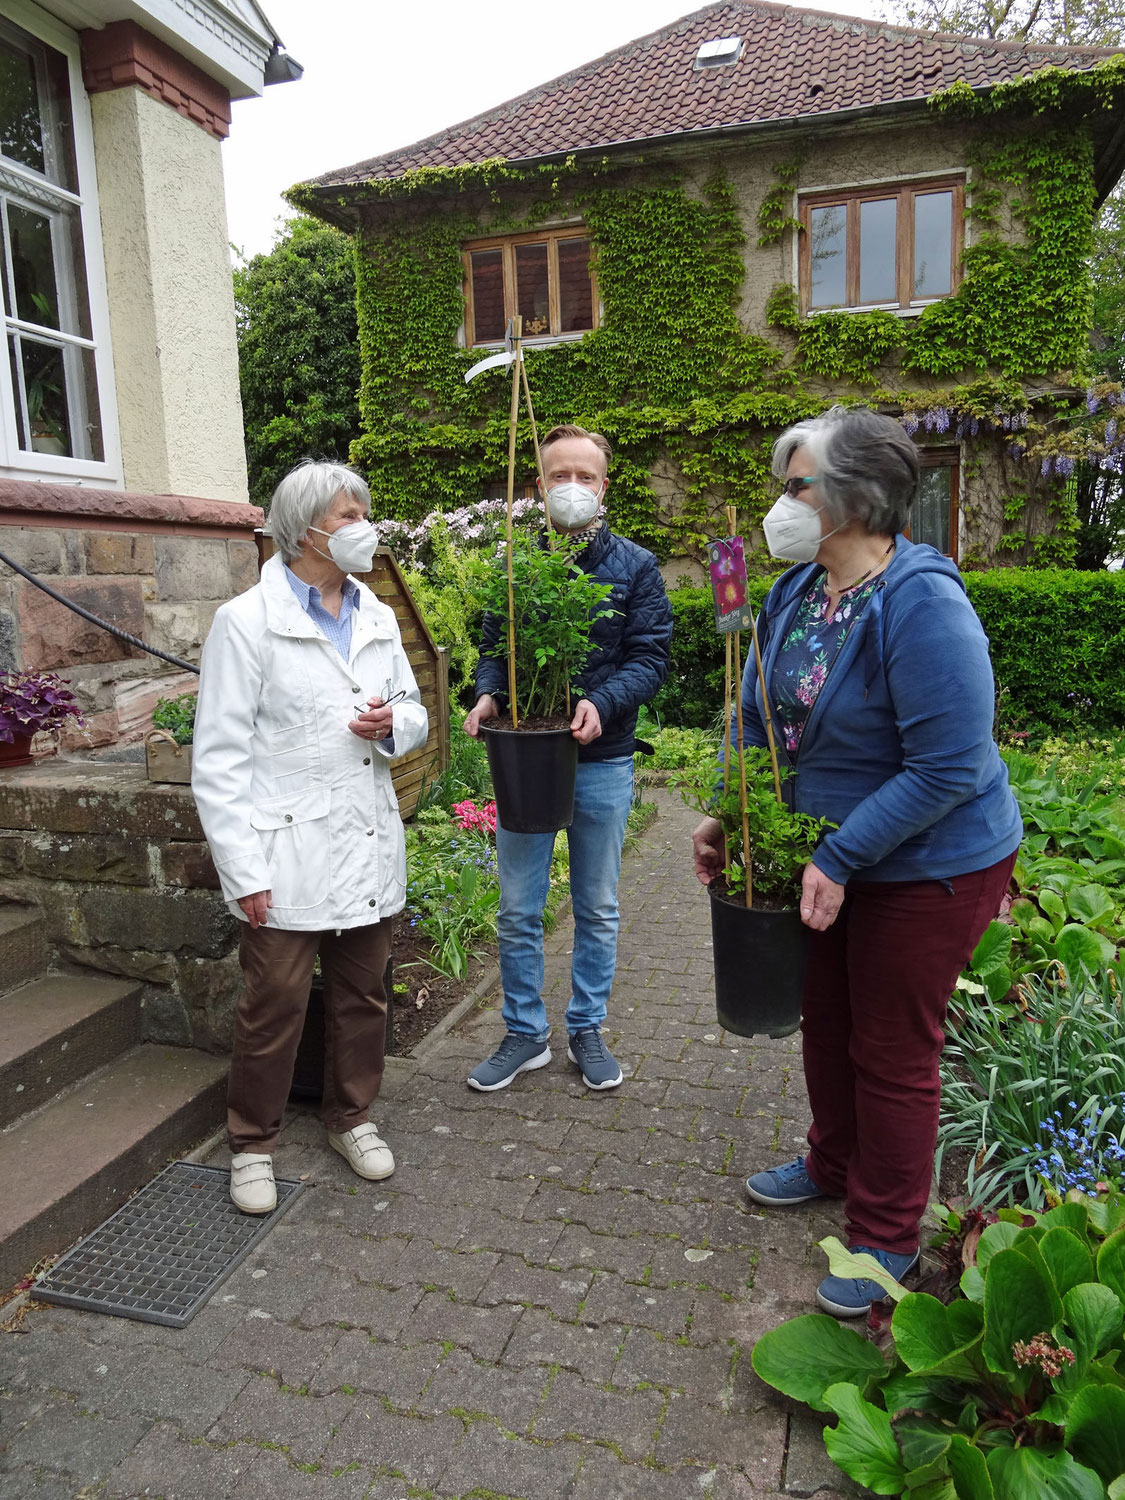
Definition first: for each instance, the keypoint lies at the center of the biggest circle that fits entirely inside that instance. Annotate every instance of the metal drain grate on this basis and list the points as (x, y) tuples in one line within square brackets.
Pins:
[(161, 1256)]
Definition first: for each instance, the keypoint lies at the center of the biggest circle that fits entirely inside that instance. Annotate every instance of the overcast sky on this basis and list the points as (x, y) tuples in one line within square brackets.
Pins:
[(381, 75)]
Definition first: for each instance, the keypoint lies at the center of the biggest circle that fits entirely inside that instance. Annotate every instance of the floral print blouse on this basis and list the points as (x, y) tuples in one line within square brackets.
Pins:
[(808, 652)]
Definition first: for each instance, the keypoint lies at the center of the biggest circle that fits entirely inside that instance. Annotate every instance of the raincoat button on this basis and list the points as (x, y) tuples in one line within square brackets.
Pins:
[(370, 831), (367, 760), (289, 817), (372, 903), (356, 688)]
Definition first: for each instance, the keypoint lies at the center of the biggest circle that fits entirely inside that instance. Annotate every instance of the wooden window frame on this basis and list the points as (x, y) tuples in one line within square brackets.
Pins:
[(947, 458), (851, 199), (507, 244)]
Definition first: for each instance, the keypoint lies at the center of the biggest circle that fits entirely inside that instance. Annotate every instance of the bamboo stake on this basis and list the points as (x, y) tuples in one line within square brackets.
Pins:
[(517, 329), (542, 482), (727, 711), (746, 859)]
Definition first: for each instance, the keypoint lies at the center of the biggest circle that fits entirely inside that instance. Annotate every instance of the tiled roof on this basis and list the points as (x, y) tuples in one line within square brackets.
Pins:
[(794, 63)]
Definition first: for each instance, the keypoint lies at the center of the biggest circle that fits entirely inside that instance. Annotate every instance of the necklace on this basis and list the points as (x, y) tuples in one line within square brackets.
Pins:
[(863, 577)]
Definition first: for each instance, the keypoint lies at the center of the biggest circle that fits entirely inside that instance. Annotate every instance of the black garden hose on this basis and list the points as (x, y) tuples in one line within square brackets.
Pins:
[(122, 635)]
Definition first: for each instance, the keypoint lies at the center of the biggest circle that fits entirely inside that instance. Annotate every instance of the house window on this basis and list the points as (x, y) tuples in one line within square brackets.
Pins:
[(546, 278), (934, 515), (52, 380), (896, 247)]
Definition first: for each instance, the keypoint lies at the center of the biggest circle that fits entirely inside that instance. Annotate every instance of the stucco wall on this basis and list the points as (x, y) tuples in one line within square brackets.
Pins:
[(171, 300)]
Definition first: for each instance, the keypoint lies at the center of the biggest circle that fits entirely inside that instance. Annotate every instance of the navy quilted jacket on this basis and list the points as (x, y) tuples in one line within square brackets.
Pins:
[(629, 659)]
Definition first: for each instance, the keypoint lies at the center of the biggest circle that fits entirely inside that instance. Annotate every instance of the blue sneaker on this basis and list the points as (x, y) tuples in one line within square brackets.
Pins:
[(781, 1185), (598, 1064), (852, 1296), (515, 1054)]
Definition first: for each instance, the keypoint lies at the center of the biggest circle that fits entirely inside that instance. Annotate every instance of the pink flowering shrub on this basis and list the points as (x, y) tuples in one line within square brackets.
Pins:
[(468, 815)]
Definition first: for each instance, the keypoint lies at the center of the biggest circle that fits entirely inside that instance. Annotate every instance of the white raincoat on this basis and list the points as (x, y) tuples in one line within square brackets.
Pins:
[(290, 800)]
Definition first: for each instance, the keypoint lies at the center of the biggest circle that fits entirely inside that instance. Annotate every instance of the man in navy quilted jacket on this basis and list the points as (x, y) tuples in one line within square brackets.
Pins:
[(627, 663)]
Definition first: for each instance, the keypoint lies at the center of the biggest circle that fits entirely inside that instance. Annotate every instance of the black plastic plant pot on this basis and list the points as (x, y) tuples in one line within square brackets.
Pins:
[(533, 777), (760, 958)]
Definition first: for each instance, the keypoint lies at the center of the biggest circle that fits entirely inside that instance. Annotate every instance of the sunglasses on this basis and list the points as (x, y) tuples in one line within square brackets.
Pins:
[(793, 487)]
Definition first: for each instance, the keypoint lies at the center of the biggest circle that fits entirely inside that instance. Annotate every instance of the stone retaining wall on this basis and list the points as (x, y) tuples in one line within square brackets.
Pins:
[(157, 566), (141, 900)]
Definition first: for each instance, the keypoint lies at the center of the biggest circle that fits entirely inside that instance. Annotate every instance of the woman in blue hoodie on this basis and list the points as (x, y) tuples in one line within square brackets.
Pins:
[(882, 698)]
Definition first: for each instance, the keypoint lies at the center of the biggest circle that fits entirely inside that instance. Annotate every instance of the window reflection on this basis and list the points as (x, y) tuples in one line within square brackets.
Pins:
[(930, 514), (488, 294), (533, 291), (828, 240), (878, 219), (49, 371), (933, 244)]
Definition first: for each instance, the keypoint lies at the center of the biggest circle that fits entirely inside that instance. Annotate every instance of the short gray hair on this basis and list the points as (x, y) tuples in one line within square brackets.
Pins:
[(304, 496), (866, 465)]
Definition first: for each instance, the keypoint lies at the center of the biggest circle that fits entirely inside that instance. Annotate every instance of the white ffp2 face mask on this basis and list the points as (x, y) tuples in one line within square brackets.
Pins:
[(792, 530), (352, 548), (572, 505)]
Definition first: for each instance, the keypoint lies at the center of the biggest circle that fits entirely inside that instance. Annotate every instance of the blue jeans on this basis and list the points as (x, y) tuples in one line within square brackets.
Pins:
[(603, 794)]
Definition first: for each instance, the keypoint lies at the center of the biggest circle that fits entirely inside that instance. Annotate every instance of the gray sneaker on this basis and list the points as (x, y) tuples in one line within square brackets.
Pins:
[(515, 1054), (597, 1063)]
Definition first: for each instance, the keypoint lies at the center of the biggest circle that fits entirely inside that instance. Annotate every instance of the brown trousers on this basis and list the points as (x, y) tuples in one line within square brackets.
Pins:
[(277, 969)]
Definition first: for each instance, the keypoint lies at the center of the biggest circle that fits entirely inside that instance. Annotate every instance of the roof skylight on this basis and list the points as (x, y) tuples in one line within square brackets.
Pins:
[(720, 53)]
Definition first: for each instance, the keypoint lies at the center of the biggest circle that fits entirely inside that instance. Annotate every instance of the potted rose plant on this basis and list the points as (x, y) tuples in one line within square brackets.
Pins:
[(31, 702), (168, 744), (532, 754), (758, 944)]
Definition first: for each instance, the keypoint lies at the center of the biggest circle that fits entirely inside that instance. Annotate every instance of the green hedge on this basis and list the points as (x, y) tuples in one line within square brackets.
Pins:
[(1057, 639), (1058, 646)]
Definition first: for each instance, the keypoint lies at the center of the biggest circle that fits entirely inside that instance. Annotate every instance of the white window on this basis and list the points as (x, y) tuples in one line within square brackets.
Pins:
[(57, 417)]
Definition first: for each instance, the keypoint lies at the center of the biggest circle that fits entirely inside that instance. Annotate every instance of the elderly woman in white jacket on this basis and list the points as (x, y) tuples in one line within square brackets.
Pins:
[(306, 697)]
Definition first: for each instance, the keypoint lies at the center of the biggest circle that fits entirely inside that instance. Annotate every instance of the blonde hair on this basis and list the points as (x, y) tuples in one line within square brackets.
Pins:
[(569, 430)]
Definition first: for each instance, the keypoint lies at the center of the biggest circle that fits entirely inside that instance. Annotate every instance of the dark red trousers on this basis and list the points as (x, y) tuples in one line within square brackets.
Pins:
[(878, 985)]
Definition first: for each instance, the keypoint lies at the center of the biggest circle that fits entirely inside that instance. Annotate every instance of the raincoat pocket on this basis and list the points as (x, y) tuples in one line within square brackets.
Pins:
[(297, 847)]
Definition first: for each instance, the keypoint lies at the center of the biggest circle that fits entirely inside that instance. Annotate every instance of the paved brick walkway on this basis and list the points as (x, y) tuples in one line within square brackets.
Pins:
[(554, 1297)]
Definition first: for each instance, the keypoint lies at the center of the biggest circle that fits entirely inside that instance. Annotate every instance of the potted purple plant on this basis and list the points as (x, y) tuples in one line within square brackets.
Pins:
[(29, 703)]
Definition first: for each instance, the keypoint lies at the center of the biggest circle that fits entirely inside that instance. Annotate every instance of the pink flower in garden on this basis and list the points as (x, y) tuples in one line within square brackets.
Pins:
[(1041, 1351), (470, 816)]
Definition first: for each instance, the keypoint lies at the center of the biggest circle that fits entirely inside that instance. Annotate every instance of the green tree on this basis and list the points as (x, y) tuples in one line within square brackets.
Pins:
[(298, 355), (1064, 23)]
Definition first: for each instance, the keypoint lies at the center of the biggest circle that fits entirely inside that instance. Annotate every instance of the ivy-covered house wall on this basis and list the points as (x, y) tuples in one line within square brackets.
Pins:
[(700, 356)]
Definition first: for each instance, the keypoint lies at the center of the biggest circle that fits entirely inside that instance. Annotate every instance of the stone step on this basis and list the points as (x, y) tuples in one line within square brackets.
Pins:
[(69, 1165), (23, 945), (58, 1029)]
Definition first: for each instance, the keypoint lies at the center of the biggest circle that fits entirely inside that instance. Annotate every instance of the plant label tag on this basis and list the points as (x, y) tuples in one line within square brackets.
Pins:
[(727, 567)]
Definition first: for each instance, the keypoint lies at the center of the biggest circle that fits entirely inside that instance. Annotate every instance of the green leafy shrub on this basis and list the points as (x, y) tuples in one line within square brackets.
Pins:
[(1057, 641), (678, 749), (555, 606), (1009, 1393), (447, 591), (1058, 646), (176, 716), (781, 842), (693, 691)]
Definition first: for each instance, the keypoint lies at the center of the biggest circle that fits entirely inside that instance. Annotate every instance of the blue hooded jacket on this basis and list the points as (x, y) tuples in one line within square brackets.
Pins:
[(898, 747)]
